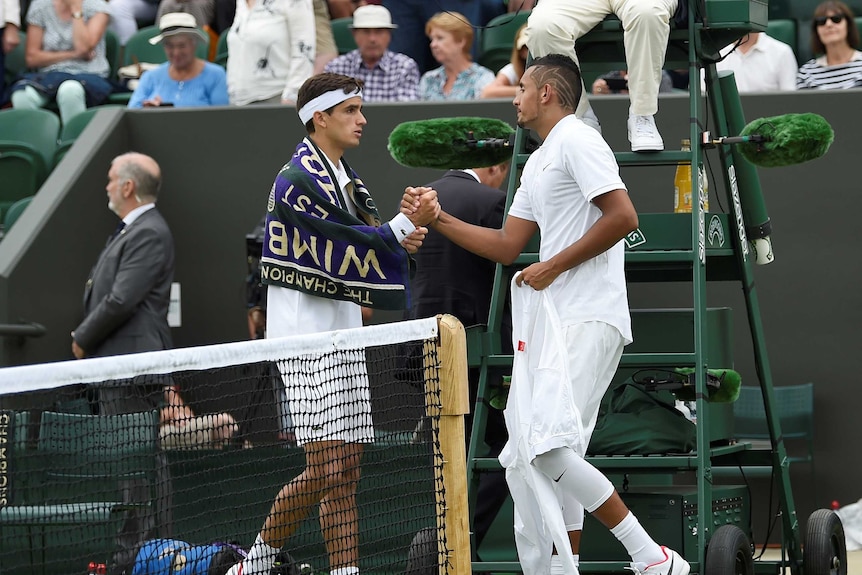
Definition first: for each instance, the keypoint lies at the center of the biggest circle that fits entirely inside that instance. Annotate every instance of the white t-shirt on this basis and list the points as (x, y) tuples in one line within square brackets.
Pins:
[(769, 66), (509, 72), (292, 312), (573, 166), (271, 50)]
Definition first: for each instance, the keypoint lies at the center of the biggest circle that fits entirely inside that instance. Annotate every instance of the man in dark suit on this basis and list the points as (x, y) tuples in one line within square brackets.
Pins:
[(125, 311), (127, 294), (449, 279)]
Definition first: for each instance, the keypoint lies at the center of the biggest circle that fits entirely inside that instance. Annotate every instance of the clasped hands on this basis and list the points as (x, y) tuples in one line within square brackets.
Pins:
[(420, 206)]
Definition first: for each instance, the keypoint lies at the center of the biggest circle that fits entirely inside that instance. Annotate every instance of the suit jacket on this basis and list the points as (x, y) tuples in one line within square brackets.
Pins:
[(127, 294), (449, 279)]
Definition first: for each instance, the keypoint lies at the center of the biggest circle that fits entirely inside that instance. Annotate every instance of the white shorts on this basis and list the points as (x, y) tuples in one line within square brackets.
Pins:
[(593, 355), (329, 397)]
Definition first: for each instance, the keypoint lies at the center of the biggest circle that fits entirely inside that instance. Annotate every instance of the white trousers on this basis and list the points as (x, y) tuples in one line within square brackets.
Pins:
[(555, 25), (125, 15)]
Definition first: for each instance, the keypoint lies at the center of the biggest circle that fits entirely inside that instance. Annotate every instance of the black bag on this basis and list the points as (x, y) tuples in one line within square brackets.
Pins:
[(636, 422)]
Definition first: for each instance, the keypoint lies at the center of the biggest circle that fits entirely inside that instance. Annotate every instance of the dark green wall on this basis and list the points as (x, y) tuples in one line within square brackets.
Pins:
[(219, 164)]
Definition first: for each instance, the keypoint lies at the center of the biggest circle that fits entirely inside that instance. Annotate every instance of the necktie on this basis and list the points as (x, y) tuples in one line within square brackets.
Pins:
[(117, 231)]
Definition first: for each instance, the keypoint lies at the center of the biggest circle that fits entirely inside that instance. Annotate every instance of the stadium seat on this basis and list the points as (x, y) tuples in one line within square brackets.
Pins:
[(73, 128), (73, 477), (139, 49), (221, 50), (784, 31), (495, 44), (794, 406), (112, 52), (343, 35), (28, 139), (14, 212)]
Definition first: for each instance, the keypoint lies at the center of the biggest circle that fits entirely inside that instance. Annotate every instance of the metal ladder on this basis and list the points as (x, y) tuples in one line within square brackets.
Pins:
[(667, 247)]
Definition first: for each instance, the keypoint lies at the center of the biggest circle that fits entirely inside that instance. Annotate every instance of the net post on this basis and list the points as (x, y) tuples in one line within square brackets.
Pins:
[(454, 405)]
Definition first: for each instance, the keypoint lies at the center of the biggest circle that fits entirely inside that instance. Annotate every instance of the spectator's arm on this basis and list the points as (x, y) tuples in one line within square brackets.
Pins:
[(11, 39), (36, 57), (300, 23), (86, 34), (342, 8), (516, 5)]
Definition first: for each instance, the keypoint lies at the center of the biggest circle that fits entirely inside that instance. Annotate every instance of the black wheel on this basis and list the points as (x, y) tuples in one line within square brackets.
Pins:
[(825, 551), (729, 552)]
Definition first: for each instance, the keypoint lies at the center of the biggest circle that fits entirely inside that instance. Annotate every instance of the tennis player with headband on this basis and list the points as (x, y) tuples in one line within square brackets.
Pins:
[(319, 203)]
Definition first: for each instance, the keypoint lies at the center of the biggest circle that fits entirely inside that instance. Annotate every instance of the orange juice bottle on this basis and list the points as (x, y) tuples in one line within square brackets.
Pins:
[(682, 192), (682, 184)]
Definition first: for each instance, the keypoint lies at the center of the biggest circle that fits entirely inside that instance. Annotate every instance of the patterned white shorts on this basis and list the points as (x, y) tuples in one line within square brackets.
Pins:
[(329, 398)]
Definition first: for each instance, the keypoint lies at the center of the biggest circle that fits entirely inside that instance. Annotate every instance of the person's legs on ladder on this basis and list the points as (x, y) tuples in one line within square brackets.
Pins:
[(555, 25)]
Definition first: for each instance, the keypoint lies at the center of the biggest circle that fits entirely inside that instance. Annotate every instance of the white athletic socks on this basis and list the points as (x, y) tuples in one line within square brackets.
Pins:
[(345, 571), (259, 560), (557, 564), (637, 542)]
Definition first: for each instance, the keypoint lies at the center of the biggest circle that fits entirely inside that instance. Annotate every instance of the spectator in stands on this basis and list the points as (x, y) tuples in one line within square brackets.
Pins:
[(555, 25), (617, 81), (202, 10), (411, 16), (125, 15), (760, 63), (271, 47), (388, 77), (325, 49), (10, 22), (450, 279), (458, 77), (126, 303), (835, 36), (66, 45), (184, 80), (345, 8), (505, 84), (180, 428)]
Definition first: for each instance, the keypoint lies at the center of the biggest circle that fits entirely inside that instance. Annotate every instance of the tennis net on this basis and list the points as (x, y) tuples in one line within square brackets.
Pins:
[(191, 446)]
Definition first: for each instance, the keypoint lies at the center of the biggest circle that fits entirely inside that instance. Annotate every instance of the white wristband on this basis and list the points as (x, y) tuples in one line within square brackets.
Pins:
[(401, 227)]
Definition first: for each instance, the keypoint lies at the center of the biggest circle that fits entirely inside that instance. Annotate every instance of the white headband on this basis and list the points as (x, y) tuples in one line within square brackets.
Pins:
[(324, 102)]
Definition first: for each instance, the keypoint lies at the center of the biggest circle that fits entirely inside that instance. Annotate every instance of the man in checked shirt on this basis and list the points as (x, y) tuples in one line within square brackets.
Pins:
[(388, 76)]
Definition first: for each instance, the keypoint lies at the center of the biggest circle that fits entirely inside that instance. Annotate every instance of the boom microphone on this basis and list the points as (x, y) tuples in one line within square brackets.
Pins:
[(452, 143), (787, 140), (722, 385)]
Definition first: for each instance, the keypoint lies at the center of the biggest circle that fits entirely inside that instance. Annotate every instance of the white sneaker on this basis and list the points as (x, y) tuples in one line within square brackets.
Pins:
[(591, 120), (673, 564), (235, 570), (644, 135)]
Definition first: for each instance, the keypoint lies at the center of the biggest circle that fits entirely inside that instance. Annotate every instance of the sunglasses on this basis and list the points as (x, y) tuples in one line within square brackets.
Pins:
[(836, 19)]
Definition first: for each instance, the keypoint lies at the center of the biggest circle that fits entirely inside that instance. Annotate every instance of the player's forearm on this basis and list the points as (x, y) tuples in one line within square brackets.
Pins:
[(486, 242)]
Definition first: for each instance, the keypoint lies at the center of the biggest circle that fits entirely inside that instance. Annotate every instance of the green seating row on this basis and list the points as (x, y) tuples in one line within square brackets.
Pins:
[(32, 143)]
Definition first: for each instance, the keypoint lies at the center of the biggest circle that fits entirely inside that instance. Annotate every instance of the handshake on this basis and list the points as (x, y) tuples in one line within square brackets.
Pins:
[(420, 205)]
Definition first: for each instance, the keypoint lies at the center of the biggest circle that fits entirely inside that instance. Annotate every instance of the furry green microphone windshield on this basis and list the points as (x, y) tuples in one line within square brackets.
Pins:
[(451, 143), (722, 385), (786, 140)]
